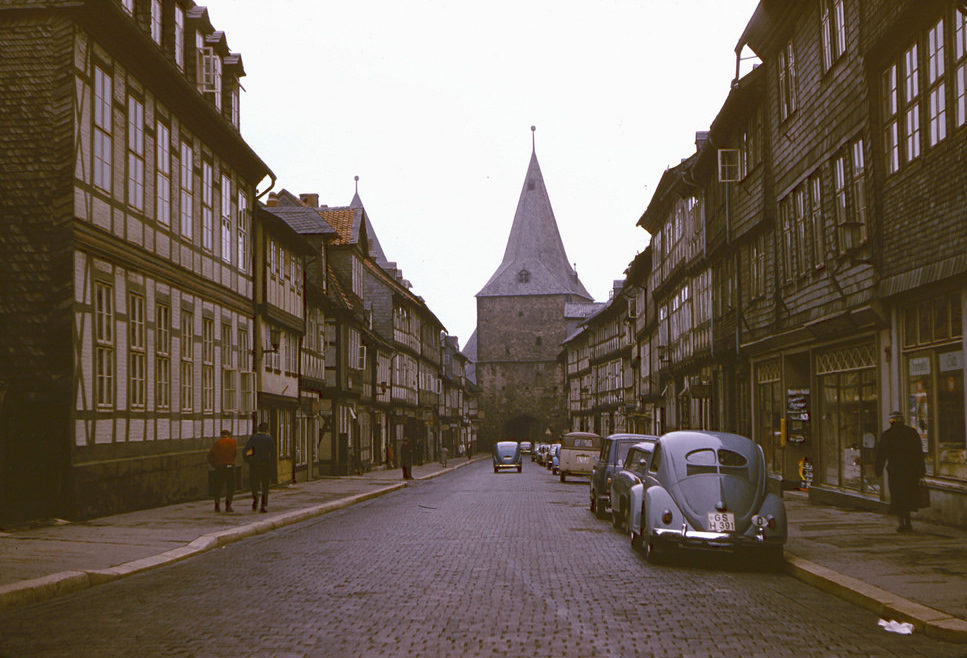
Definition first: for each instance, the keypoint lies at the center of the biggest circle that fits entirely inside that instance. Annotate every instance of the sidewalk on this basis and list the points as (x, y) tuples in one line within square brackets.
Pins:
[(920, 577)]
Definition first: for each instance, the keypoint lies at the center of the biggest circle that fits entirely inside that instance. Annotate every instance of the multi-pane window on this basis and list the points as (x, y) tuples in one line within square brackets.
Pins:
[(245, 380), (163, 174), (135, 153), (156, 20), (207, 207), (891, 118), (751, 149), (226, 223), (207, 364), (833, 19), (187, 360), (228, 369), (757, 269), (788, 100), (817, 220), (103, 144), (803, 236), (104, 345), (936, 89), (241, 229), (180, 37), (960, 68), (911, 104), (187, 188), (162, 357), (788, 237), (137, 357), (849, 189), (357, 276)]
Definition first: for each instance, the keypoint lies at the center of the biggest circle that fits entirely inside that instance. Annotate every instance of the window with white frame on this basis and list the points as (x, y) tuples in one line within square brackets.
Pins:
[(187, 190), (180, 37), (245, 400), (357, 276), (187, 360), (241, 229), (226, 214), (228, 369), (156, 21), (104, 344), (207, 207), (788, 98), (891, 118), (817, 220), (911, 103), (856, 229), (936, 87), (833, 21), (137, 357), (135, 153), (103, 126), (960, 68), (162, 173), (207, 364), (757, 269), (162, 357)]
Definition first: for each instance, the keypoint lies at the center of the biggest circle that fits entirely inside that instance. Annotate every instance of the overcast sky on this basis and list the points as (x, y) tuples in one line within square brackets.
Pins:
[(430, 103)]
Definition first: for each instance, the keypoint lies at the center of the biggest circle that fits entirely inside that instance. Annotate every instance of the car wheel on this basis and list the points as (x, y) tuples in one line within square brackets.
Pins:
[(617, 513), (562, 476), (600, 510), (519, 468), (594, 503), (654, 553), (635, 540), (496, 469)]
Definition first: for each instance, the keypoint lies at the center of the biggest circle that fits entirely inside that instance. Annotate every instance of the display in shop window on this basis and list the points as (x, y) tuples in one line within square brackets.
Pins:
[(797, 415)]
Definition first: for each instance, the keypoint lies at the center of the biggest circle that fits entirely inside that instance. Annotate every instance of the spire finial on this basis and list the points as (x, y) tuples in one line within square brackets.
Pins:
[(533, 139), (356, 178)]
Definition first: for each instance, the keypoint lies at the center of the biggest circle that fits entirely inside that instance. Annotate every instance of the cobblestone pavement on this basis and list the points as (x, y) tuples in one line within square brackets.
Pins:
[(471, 564)]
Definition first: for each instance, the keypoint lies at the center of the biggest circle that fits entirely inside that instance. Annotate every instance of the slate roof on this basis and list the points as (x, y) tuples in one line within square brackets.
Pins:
[(534, 262), (303, 219)]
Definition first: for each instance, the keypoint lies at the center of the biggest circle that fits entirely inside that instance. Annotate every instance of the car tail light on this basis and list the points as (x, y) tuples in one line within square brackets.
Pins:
[(666, 517)]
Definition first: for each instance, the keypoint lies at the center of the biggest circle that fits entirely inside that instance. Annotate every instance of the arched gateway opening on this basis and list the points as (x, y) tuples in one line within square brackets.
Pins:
[(523, 428)]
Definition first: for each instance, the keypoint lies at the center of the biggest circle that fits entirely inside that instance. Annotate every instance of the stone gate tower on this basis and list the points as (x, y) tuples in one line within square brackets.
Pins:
[(520, 324)]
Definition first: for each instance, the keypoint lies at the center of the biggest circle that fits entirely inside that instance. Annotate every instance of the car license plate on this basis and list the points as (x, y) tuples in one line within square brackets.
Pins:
[(721, 522), (583, 459)]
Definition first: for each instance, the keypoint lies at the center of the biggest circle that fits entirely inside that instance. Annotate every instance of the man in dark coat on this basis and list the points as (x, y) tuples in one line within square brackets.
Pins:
[(902, 453), (260, 454)]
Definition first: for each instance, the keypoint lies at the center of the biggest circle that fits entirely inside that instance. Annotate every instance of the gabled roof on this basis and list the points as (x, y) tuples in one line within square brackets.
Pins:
[(348, 222), (534, 262)]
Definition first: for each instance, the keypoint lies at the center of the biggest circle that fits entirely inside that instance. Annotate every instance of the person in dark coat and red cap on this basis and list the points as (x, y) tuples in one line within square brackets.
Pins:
[(901, 451)]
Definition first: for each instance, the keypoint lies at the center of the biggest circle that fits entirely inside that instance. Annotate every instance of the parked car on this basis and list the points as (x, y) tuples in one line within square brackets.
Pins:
[(507, 455), (536, 452), (707, 491), (526, 447), (554, 458), (579, 450), (632, 472), (614, 449)]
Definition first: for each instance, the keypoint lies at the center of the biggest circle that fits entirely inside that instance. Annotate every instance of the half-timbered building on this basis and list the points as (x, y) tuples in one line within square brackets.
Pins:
[(126, 320)]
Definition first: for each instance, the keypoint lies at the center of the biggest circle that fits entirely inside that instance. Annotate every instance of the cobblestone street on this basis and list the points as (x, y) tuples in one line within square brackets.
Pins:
[(471, 564)]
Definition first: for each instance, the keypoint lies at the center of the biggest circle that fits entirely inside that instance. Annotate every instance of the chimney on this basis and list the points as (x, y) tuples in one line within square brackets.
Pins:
[(311, 199), (273, 200), (701, 137)]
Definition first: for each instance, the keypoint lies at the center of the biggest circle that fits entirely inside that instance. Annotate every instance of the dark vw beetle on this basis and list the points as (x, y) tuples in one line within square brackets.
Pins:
[(707, 490), (507, 455), (614, 449)]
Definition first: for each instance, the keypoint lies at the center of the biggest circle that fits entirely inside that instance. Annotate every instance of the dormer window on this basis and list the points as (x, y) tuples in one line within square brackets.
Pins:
[(180, 37), (209, 72), (523, 276)]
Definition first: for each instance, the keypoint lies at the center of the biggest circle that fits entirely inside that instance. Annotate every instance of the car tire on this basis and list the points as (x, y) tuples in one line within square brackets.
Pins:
[(600, 510), (594, 503), (562, 476), (654, 552), (496, 470), (519, 468), (635, 541), (617, 513)]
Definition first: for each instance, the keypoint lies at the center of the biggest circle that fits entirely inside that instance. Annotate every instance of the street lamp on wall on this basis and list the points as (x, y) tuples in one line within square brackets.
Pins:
[(275, 338)]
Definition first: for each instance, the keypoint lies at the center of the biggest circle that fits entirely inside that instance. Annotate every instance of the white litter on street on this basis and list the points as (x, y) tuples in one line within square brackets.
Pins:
[(901, 627)]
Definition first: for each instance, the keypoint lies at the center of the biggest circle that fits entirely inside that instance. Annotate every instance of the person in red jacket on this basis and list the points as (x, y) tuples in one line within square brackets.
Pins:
[(221, 456)]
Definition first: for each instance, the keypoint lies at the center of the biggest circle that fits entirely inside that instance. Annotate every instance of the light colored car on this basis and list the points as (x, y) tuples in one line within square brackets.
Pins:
[(507, 455), (527, 447), (579, 451), (706, 491), (632, 472), (554, 458), (614, 449)]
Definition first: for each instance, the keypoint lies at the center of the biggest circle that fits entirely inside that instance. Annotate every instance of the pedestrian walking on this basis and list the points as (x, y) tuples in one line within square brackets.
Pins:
[(260, 455), (221, 457), (406, 459), (443, 456), (900, 450)]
